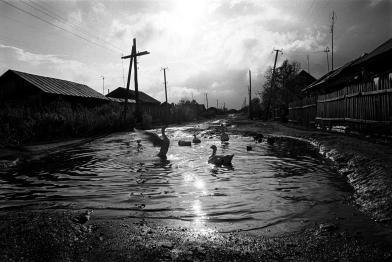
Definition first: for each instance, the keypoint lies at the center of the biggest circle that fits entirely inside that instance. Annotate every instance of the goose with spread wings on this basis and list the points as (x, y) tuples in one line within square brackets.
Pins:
[(163, 142)]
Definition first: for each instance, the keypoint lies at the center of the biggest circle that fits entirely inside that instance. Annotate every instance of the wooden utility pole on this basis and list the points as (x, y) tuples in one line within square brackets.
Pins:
[(273, 79), (326, 52), (128, 80), (332, 27), (273, 70), (207, 100), (164, 78), (307, 56), (103, 85), (133, 56), (217, 104), (250, 95)]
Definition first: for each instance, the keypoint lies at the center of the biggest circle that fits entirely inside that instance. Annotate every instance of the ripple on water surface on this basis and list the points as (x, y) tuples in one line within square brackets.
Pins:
[(270, 185)]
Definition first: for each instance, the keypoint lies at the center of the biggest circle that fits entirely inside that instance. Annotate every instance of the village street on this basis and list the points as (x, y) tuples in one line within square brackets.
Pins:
[(358, 228)]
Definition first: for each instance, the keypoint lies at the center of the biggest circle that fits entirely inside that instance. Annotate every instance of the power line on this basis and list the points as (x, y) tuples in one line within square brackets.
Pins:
[(57, 26), (65, 21)]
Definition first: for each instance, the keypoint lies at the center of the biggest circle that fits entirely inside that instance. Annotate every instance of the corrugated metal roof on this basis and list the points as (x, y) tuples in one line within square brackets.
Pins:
[(59, 86)]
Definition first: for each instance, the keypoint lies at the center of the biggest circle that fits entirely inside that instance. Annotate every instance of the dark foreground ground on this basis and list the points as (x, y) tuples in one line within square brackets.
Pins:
[(53, 235)]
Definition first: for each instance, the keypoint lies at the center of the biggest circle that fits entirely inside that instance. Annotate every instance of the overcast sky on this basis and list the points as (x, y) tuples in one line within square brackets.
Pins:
[(208, 45)]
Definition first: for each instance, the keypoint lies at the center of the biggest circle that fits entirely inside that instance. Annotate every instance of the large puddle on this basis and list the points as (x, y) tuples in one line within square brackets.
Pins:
[(281, 186)]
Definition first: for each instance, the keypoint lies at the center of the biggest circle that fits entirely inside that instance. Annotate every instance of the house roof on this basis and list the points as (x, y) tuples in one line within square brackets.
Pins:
[(121, 92), (385, 47), (57, 86), (303, 78), (349, 70)]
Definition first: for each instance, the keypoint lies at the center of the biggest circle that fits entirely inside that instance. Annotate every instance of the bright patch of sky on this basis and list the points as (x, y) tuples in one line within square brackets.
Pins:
[(208, 46)]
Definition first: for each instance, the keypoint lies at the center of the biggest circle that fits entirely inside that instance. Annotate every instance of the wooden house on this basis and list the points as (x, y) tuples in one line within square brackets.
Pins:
[(357, 95), (148, 104)]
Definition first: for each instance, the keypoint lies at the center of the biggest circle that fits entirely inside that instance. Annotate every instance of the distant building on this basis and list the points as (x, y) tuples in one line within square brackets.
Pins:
[(21, 87), (121, 93), (302, 80), (148, 104)]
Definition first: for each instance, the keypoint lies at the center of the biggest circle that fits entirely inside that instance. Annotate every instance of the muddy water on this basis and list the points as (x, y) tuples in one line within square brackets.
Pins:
[(281, 186)]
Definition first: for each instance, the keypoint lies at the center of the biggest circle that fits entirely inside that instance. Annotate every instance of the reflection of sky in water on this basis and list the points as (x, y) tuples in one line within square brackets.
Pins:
[(115, 177)]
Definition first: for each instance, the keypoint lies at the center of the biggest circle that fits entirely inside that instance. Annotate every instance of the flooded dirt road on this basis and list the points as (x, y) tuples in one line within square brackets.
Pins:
[(276, 188), (277, 202)]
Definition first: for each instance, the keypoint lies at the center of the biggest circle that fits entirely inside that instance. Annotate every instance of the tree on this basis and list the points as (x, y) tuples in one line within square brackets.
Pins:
[(277, 94)]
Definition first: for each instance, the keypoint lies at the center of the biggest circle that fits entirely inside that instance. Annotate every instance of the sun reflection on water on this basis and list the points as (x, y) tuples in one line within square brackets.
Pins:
[(200, 216)]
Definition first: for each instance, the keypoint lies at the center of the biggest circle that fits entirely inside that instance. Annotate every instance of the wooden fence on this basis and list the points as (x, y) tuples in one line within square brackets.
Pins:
[(362, 106), (303, 111)]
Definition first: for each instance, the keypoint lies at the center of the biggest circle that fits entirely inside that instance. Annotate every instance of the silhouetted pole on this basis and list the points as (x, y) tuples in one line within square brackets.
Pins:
[(128, 80), (133, 56), (273, 80), (217, 104), (137, 113), (164, 77), (207, 100), (250, 95), (307, 56), (103, 85), (326, 52), (332, 27)]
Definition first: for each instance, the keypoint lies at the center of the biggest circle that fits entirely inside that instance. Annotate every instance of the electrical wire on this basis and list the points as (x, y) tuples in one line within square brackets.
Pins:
[(57, 26), (66, 22)]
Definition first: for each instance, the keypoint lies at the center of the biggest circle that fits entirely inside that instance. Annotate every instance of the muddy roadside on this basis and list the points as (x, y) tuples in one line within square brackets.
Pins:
[(53, 235), (366, 162)]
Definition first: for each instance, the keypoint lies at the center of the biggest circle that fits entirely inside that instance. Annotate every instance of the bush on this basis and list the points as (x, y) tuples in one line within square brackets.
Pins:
[(31, 122)]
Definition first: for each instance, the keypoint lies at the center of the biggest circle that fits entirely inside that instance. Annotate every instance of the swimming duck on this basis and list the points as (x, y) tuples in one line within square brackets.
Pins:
[(224, 137), (184, 143), (163, 142), (195, 139), (218, 159)]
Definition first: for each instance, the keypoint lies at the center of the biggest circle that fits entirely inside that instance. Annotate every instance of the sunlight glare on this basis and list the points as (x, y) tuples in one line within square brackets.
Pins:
[(188, 15)]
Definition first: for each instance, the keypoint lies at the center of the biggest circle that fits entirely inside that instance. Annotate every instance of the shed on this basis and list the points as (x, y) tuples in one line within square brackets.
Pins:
[(19, 86)]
